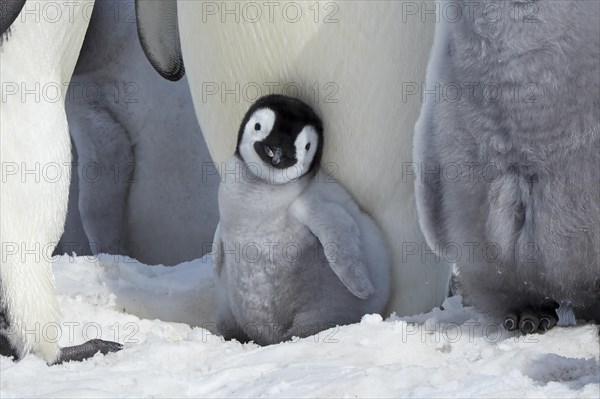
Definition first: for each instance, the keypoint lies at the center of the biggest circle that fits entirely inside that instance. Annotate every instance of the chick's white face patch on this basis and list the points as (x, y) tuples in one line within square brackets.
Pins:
[(306, 147), (257, 128)]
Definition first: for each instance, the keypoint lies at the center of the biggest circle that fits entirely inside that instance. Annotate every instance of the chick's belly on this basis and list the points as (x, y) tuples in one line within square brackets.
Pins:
[(269, 241), (270, 276)]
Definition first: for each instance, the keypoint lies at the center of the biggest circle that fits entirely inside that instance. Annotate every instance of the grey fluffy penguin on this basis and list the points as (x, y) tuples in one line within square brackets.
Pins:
[(294, 254), (508, 150)]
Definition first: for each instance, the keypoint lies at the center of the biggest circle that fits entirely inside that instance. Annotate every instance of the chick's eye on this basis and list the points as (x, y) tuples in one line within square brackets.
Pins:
[(257, 126), (307, 147)]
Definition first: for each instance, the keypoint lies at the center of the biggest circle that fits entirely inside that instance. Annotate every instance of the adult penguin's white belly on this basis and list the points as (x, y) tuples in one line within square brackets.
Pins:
[(352, 72), (36, 62)]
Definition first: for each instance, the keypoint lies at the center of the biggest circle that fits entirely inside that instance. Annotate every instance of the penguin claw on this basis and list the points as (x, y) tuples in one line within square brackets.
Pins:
[(544, 324), (527, 326), (511, 322), (547, 321), (528, 322)]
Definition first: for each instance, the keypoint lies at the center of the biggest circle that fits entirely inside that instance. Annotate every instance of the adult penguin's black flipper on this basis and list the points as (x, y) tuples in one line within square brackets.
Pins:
[(158, 29), (9, 11)]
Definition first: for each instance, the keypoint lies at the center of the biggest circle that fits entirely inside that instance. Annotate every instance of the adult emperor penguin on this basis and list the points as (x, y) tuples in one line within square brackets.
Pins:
[(294, 253), (147, 185), (509, 167), (354, 62), (37, 56)]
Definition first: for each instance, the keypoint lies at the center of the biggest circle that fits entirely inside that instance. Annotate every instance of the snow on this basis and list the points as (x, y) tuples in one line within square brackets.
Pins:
[(155, 311)]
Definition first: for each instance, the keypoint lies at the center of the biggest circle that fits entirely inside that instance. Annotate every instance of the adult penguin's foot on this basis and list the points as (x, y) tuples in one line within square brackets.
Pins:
[(90, 348)]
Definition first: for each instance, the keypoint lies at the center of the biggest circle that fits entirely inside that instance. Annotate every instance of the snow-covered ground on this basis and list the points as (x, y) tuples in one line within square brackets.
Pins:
[(452, 352)]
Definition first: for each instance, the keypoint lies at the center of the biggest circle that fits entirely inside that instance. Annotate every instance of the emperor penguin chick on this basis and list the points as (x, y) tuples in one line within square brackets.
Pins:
[(509, 186), (294, 253)]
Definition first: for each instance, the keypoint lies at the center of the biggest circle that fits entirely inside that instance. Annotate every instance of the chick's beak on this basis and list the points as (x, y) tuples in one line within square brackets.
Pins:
[(274, 153)]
